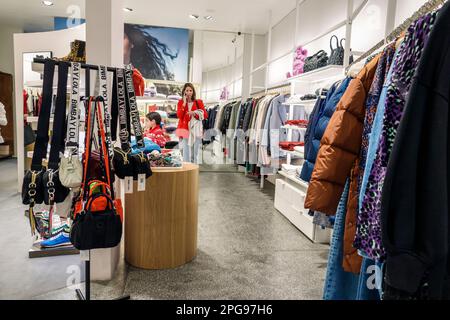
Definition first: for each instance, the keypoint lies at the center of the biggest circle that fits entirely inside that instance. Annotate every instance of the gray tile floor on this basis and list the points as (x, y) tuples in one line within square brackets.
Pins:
[(246, 250), (21, 277)]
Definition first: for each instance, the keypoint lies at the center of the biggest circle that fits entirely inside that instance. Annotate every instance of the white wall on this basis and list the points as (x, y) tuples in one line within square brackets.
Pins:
[(405, 9), (56, 41), (7, 48)]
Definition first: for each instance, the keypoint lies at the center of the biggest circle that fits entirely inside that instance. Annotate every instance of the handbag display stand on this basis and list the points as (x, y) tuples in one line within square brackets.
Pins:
[(87, 294)]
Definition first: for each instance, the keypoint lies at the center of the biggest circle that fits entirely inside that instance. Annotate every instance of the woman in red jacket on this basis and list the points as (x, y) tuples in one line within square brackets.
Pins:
[(191, 112)]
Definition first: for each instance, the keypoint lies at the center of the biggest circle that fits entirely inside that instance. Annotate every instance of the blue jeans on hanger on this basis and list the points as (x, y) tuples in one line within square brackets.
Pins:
[(369, 287), (339, 285), (190, 153)]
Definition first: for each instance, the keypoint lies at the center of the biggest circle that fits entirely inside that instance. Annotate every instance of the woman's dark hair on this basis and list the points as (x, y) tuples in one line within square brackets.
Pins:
[(148, 53), (189, 85), (154, 116)]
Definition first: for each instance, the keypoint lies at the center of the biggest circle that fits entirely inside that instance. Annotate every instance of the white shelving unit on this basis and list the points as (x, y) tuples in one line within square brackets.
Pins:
[(318, 75), (290, 192)]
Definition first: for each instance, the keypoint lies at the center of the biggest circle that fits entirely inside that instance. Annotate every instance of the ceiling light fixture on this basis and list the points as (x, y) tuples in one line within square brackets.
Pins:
[(47, 3), (193, 16), (127, 9), (208, 17)]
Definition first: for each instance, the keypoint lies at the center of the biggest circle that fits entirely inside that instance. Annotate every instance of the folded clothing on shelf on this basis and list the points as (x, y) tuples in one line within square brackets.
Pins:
[(300, 149), (290, 169), (290, 145), (171, 159), (308, 97), (293, 99), (299, 123)]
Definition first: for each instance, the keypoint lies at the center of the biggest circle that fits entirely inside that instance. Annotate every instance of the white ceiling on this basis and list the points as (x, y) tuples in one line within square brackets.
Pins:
[(228, 15)]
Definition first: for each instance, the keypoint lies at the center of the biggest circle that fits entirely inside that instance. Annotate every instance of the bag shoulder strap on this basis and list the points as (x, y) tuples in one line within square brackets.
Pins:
[(73, 121), (134, 112), (59, 119), (42, 138), (120, 110), (101, 90)]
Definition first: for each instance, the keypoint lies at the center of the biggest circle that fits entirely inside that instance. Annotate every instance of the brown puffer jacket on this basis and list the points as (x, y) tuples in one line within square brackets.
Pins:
[(337, 160)]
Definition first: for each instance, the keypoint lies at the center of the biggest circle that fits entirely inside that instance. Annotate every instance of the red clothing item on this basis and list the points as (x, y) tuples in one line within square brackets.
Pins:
[(156, 135), (182, 114), (139, 83)]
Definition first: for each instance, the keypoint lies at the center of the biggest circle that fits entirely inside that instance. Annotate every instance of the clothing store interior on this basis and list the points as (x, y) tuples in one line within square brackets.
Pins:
[(271, 150)]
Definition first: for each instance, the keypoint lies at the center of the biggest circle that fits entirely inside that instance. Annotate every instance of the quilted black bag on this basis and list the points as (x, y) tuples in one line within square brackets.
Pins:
[(318, 60), (338, 53)]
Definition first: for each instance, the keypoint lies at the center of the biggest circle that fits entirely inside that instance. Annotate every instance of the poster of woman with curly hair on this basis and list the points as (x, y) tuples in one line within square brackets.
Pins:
[(159, 53)]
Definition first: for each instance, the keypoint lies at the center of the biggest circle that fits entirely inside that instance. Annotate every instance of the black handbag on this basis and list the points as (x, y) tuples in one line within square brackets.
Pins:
[(99, 229), (141, 165), (338, 53), (318, 60), (125, 109), (54, 191), (32, 185), (102, 227)]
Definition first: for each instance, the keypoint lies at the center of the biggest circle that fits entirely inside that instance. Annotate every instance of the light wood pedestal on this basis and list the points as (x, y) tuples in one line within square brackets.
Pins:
[(161, 222)]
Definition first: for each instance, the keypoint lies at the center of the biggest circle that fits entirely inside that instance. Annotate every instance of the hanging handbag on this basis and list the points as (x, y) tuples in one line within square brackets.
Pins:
[(32, 186), (97, 229), (54, 191), (318, 60), (141, 164), (97, 217), (123, 165), (70, 168)]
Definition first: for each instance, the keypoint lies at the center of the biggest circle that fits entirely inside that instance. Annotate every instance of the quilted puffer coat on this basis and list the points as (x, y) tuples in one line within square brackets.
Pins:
[(319, 125), (337, 160)]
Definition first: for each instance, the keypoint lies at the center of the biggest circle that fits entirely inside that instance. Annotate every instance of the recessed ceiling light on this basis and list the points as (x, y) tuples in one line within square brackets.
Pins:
[(193, 16), (208, 17), (127, 9), (47, 3)]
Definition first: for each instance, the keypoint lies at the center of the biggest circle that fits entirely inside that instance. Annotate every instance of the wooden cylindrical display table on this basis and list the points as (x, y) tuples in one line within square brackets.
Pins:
[(161, 222)]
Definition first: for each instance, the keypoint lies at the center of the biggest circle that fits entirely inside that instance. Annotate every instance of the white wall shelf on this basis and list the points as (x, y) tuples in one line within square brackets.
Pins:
[(319, 75), (294, 128), (301, 103)]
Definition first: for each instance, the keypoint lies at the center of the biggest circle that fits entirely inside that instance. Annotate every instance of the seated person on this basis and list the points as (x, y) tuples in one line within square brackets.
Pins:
[(153, 129)]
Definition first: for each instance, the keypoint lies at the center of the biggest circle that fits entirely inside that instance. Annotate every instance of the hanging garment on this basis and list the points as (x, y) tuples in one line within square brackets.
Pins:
[(404, 69), (138, 82), (337, 160), (373, 98), (374, 138), (339, 284), (319, 126), (278, 118), (196, 127), (415, 212)]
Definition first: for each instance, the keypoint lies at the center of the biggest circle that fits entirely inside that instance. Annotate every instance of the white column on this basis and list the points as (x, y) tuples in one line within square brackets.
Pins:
[(390, 17), (247, 61), (197, 66), (348, 33), (104, 45), (269, 50)]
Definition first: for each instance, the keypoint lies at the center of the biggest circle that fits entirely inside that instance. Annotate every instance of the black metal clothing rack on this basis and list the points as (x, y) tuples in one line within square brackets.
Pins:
[(88, 67)]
